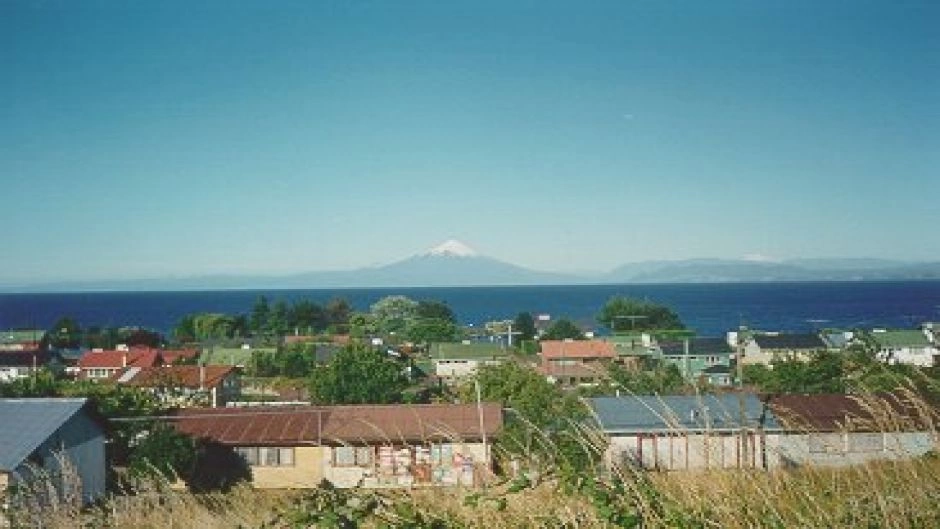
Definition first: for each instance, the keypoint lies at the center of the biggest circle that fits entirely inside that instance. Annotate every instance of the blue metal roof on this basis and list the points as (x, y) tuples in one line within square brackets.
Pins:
[(26, 423), (648, 413)]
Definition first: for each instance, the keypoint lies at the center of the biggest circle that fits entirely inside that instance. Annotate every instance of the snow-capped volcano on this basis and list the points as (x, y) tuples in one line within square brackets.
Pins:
[(452, 248)]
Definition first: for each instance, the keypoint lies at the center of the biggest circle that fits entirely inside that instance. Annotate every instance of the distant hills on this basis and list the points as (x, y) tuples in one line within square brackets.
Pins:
[(456, 264)]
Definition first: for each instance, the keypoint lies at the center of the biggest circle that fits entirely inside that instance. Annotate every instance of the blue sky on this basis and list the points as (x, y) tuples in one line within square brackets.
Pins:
[(142, 139)]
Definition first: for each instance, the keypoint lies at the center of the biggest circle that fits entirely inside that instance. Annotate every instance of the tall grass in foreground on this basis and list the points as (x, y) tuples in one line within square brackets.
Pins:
[(898, 494)]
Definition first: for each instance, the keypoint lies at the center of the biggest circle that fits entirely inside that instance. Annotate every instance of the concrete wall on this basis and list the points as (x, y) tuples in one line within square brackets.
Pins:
[(682, 451), (306, 472), (843, 449)]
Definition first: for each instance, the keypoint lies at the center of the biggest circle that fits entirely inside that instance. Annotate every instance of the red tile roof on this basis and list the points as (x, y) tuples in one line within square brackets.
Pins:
[(177, 376), (116, 359), (334, 425), (559, 349)]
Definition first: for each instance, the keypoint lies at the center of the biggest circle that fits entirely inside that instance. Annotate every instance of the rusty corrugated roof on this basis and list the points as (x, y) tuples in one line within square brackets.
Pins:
[(835, 412), (335, 425)]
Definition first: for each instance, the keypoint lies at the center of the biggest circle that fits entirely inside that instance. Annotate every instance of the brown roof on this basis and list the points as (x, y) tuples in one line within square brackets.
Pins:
[(552, 349), (831, 412), (178, 376), (332, 425)]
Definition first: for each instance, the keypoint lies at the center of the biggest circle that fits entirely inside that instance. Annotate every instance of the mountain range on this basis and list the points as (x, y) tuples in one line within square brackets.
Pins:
[(456, 264)]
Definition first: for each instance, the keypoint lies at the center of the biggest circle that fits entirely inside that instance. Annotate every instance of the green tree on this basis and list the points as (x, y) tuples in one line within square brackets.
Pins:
[(626, 314), (161, 449), (393, 314), (362, 325), (138, 336), (823, 372), (65, 333), (338, 312), (260, 313), (307, 317), (358, 375), (435, 310), (658, 380), (544, 422), (185, 330), (432, 330), (563, 329), (524, 324), (278, 323)]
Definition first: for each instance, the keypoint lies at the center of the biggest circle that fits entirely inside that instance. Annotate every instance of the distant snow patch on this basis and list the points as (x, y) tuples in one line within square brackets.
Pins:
[(452, 248)]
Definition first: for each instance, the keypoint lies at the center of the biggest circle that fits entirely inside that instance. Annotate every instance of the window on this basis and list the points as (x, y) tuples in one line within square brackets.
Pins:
[(353, 456), (266, 456)]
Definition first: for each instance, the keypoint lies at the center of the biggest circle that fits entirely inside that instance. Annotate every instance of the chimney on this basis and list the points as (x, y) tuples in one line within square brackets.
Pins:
[(124, 359), (202, 377)]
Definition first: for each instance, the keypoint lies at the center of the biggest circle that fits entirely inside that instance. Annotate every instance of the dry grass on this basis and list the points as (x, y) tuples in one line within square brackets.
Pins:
[(888, 495)]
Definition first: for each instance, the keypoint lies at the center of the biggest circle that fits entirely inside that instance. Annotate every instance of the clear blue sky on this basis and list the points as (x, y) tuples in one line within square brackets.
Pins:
[(156, 138)]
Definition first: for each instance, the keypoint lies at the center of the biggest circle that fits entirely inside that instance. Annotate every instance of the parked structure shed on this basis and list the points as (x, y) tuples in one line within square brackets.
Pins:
[(60, 440)]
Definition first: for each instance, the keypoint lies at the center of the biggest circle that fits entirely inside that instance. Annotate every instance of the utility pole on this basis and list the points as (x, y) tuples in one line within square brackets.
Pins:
[(509, 333), (739, 361)]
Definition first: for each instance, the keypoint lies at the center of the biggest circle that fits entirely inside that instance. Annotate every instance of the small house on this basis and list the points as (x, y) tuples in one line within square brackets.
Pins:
[(60, 441), (186, 385), (103, 365), (22, 364), (766, 348), (911, 347), (455, 361), (350, 446), (700, 359), (633, 350), (21, 340), (576, 362)]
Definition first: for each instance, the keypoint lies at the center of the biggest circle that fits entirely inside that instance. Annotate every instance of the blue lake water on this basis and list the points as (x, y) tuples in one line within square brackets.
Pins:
[(710, 309)]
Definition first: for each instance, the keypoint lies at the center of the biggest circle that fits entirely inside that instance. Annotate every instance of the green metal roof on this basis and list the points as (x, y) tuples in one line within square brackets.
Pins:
[(28, 335), (901, 339), (231, 356)]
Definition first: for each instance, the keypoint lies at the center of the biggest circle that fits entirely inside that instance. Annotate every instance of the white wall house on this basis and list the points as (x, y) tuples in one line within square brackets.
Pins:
[(911, 347)]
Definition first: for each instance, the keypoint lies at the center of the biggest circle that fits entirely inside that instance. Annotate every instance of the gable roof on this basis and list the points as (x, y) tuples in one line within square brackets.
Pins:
[(647, 413), (116, 359), (177, 376), (901, 339), (697, 346), (331, 425), (35, 420), (560, 349), (789, 341)]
